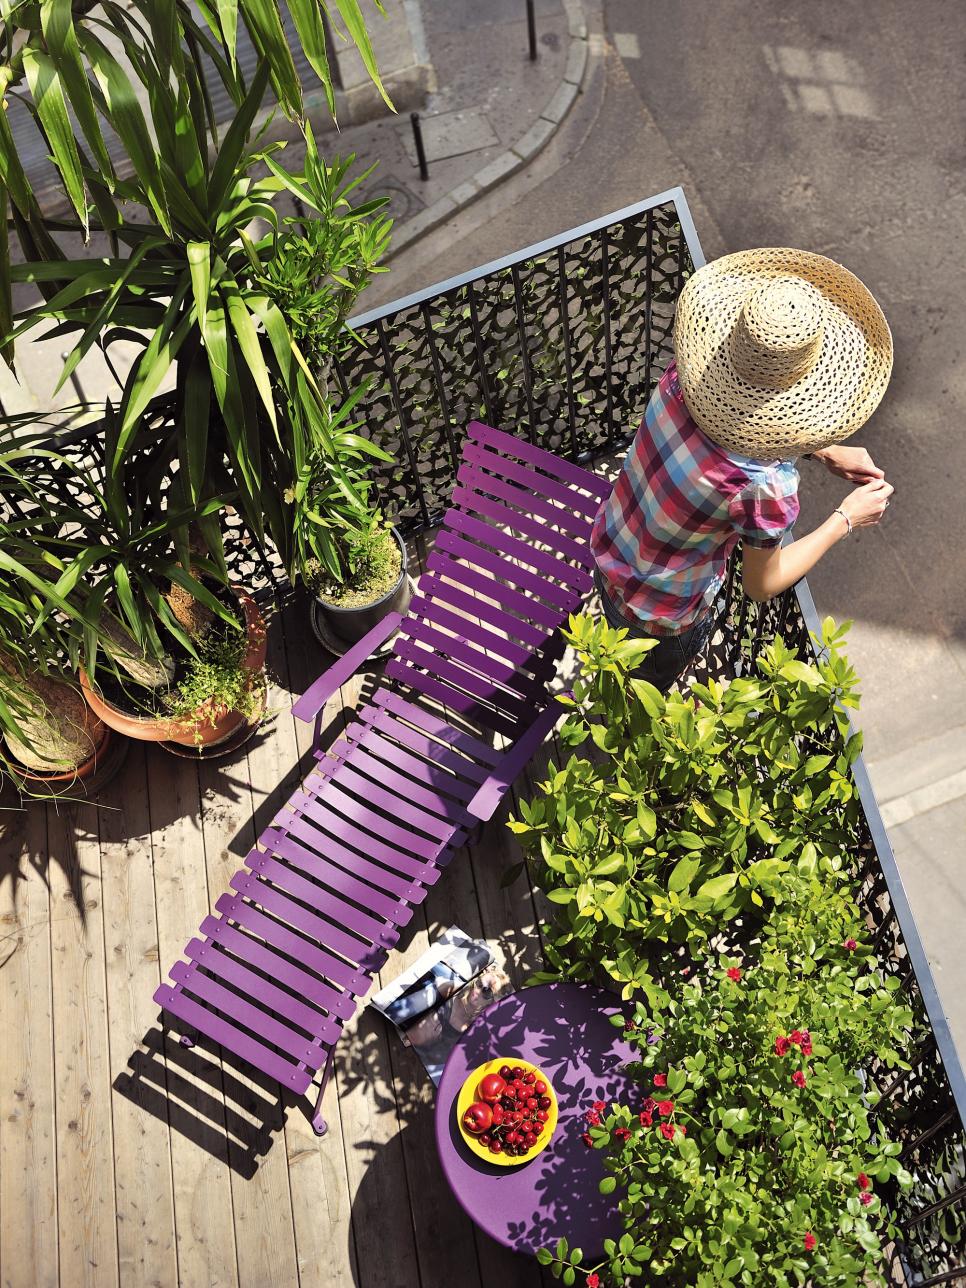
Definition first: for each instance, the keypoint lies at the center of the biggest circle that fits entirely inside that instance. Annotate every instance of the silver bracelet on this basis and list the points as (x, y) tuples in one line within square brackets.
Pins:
[(848, 522)]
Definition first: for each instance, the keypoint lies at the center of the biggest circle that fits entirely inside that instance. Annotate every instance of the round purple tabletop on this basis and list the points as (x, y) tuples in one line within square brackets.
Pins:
[(565, 1031)]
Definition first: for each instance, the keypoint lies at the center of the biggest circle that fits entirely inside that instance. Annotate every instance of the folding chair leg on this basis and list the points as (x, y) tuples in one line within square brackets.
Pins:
[(319, 1125)]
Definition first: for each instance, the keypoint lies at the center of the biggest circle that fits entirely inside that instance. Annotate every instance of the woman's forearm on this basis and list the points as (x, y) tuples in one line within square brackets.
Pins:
[(790, 563)]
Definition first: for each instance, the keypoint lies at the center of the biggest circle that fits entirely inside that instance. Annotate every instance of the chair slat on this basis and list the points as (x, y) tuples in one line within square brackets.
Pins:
[(428, 772), (206, 989), (233, 908), (429, 609), (353, 881), (460, 677), (540, 484), (463, 703), (507, 677), (433, 587), (557, 466), (560, 599), (229, 969), (461, 767), (529, 610), (462, 739), (524, 500), (368, 954), (297, 977), (472, 501), (387, 879), (286, 1072), (328, 899), (333, 799), (408, 814), (550, 568)]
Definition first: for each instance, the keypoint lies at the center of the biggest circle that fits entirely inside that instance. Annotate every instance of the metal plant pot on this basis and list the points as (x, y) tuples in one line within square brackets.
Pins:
[(338, 628)]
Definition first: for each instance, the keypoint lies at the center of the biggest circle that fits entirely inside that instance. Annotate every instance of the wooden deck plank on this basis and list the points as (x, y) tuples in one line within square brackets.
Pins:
[(85, 1147), (318, 1176), (28, 1133), (262, 1204), (203, 1202), (147, 1251)]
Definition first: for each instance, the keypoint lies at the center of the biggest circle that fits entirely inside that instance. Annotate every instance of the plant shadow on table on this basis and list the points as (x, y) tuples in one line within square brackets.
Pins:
[(569, 1172)]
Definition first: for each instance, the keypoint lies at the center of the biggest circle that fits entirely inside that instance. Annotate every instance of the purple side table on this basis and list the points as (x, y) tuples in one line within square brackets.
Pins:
[(565, 1031)]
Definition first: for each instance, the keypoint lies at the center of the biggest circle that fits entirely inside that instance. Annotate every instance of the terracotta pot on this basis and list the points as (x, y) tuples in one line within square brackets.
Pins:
[(202, 731), (338, 628), (80, 783)]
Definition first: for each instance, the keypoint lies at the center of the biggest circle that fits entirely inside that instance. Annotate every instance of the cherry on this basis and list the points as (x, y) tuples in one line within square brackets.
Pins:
[(529, 1076), (496, 1147), (531, 1102), (517, 1072), (506, 1073), (540, 1087), (485, 1138), (541, 1116), (545, 1102)]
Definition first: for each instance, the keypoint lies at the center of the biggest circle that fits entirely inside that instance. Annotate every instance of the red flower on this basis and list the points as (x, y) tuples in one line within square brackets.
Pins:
[(781, 1045), (851, 945), (864, 1182), (646, 1117), (660, 1080), (734, 973), (667, 1130), (796, 1036), (593, 1117), (593, 1280), (810, 1241), (598, 1106), (684, 1130), (650, 1104), (588, 1140), (621, 1133), (665, 1108), (798, 1078), (806, 1042), (865, 1199)]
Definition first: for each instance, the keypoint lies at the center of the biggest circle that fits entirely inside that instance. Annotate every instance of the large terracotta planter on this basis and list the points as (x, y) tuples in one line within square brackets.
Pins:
[(211, 725), (81, 782)]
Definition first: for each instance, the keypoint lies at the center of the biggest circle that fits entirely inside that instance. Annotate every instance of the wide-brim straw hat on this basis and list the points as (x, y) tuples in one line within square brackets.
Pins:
[(780, 352)]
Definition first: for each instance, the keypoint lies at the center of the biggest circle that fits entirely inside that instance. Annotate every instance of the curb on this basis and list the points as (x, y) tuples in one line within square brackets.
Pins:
[(521, 153)]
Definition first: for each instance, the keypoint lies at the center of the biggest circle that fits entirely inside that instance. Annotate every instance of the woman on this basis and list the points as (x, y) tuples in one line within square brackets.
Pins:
[(778, 353)]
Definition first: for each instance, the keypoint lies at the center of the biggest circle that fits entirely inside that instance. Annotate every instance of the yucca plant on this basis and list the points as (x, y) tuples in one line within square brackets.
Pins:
[(184, 279)]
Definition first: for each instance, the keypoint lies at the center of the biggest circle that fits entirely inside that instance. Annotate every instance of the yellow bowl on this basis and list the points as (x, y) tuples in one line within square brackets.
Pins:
[(468, 1096)]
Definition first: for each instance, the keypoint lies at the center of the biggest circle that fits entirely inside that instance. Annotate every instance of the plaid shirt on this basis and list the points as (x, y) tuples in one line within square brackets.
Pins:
[(663, 538)]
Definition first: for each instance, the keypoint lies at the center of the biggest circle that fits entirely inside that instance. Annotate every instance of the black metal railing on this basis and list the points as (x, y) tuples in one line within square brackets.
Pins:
[(563, 343)]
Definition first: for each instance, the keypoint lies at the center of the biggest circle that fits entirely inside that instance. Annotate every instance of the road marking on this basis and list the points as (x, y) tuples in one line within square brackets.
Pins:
[(627, 44), (902, 808)]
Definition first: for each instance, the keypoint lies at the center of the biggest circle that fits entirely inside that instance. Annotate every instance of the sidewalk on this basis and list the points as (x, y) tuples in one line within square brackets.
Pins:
[(489, 112)]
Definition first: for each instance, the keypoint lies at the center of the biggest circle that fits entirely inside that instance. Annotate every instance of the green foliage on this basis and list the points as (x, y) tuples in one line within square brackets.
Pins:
[(724, 1168), (216, 680), (694, 805), (184, 279)]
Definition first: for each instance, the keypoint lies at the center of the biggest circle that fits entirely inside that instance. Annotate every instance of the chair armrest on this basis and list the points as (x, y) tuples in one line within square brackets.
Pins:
[(492, 791), (317, 695)]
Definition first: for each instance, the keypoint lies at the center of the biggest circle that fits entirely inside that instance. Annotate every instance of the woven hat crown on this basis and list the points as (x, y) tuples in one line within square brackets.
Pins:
[(780, 351)]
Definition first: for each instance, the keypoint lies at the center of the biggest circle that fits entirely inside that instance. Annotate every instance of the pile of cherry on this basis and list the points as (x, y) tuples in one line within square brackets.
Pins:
[(511, 1111)]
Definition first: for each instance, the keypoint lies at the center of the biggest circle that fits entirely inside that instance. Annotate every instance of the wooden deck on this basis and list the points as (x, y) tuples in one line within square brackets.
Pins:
[(127, 1159)]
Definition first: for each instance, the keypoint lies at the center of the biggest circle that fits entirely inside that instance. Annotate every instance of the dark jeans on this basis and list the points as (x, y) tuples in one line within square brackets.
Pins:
[(674, 653)]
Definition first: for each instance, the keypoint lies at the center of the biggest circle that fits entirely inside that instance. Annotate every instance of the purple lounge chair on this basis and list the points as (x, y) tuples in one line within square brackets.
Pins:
[(311, 916)]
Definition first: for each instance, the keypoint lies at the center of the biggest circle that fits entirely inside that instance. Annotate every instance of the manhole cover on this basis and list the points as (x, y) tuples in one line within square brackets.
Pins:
[(450, 134)]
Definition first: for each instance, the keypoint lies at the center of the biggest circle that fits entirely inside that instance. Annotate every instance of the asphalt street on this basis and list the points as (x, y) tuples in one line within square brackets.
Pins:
[(811, 125)]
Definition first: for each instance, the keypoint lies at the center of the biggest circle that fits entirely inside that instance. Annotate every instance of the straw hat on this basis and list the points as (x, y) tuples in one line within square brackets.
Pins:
[(780, 352)]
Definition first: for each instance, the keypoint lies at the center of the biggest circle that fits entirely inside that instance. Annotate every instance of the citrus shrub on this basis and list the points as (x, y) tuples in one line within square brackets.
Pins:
[(692, 806)]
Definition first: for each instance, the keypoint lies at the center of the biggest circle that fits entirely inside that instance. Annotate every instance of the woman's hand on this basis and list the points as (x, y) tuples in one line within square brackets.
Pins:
[(866, 505), (851, 463)]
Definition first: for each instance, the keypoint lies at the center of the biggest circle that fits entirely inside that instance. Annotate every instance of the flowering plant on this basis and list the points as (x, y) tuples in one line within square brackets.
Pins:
[(753, 1153), (697, 805)]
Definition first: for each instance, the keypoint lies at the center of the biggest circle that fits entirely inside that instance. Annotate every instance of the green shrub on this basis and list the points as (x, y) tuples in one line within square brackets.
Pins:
[(694, 806), (752, 1154)]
